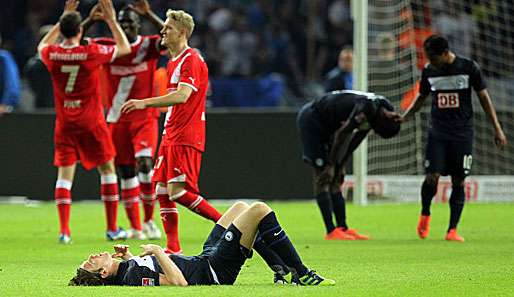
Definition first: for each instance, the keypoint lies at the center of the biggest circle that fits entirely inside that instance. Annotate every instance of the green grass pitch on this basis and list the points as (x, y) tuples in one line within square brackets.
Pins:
[(394, 263)]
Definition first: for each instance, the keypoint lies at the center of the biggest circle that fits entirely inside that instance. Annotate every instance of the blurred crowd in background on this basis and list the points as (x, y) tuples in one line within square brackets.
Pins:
[(272, 52)]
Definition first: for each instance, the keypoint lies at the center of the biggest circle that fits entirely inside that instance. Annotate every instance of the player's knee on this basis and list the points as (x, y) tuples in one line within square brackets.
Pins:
[(240, 206), (432, 179), (176, 190), (127, 171), (144, 164), (107, 168), (260, 208)]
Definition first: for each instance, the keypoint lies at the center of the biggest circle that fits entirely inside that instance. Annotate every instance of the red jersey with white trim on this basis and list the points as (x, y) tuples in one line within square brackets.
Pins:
[(185, 123), (74, 72), (131, 77)]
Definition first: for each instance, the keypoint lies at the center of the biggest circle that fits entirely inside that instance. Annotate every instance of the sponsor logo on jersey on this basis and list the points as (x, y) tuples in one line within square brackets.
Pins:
[(146, 281), (72, 103), (450, 82), (448, 100)]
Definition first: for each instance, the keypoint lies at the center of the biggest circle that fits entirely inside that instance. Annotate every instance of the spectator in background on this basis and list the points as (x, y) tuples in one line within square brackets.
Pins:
[(237, 46), (38, 77), (9, 82), (341, 78)]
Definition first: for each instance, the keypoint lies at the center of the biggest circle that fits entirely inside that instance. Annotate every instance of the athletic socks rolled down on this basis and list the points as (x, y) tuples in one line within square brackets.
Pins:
[(276, 239)]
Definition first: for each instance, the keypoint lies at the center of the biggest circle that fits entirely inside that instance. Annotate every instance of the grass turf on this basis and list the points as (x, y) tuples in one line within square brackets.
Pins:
[(394, 263)]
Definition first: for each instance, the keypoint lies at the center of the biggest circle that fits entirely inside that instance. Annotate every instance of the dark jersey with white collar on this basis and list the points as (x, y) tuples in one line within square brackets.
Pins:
[(144, 271), (450, 86)]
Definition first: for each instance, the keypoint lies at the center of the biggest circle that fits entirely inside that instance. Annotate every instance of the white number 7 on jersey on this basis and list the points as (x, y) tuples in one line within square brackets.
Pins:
[(73, 70)]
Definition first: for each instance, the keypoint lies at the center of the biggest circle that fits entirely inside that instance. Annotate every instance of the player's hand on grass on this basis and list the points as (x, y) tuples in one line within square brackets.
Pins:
[(120, 250), (150, 249), (132, 105), (499, 139), (71, 5), (141, 7)]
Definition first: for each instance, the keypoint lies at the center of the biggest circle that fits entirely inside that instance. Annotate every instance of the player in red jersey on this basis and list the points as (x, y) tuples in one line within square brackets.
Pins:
[(135, 134), (81, 133), (177, 166)]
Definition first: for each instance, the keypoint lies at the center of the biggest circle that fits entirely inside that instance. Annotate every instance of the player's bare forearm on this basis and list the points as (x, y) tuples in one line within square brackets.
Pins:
[(50, 38), (353, 145), (119, 37), (170, 269), (487, 105), (340, 138), (418, 103), (170, 99), (155, 20)]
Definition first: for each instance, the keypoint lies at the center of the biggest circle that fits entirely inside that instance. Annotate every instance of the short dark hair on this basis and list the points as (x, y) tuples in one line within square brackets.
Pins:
[(435, 45), (86, 278), (69, 24)]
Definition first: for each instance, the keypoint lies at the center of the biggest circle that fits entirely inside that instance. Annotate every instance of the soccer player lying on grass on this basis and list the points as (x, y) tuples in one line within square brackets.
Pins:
[(226, 249)]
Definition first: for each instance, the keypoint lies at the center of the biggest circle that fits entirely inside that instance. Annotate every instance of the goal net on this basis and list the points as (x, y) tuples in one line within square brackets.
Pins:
[(481, 30)]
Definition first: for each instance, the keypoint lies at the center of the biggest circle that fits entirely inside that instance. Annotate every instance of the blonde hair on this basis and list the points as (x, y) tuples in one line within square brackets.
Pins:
[(183, 19)]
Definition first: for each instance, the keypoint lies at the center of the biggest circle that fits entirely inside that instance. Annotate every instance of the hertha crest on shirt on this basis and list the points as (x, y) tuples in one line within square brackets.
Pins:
[(145, 281)]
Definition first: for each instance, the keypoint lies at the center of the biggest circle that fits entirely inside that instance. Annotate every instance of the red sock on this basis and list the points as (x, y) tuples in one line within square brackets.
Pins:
[(147, 194), (110, 197), (198, 204), (169, 216), (63, 201), (130, 197)]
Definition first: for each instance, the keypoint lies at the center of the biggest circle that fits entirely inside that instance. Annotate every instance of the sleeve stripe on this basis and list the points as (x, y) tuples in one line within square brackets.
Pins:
[(114, 54), (189, 85)]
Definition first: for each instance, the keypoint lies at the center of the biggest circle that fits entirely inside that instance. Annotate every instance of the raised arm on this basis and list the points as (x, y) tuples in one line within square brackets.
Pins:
[(52, 35), (172, 273), (109, 15), (94, 16), (485, 100), (142, 8)]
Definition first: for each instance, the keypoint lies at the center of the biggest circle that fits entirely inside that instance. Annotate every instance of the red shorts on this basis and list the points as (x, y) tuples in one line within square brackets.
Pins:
[(133, 140), (93, 148), (178, 163)]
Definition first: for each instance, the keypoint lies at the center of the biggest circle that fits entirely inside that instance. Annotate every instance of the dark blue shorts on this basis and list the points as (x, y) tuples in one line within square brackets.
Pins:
[(225, 254), (448, 157), (315, 141)]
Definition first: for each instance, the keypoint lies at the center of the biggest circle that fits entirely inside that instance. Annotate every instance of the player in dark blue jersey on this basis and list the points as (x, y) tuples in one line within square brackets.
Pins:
[(331, 128), (450, 79), (228, 246)]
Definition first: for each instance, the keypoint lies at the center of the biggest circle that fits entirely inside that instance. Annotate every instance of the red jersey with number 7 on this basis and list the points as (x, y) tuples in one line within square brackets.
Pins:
[(131, 77), (74, 72), (185, 123)]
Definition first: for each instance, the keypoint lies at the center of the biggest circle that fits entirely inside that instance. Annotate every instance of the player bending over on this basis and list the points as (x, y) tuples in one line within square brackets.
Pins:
[(224, 252), (331, 128), (450, 79), (81, 133)]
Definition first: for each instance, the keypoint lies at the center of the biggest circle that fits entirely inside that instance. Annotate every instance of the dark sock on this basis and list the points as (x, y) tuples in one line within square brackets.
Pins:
[(339, 209), (427, 193), (456, 205), (325, 206), (269, 256), (276, 239)]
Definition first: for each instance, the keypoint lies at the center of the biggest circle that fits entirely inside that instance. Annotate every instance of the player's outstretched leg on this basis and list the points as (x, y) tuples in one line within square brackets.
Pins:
[(428, 191), (457, 199), (260, 218)]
